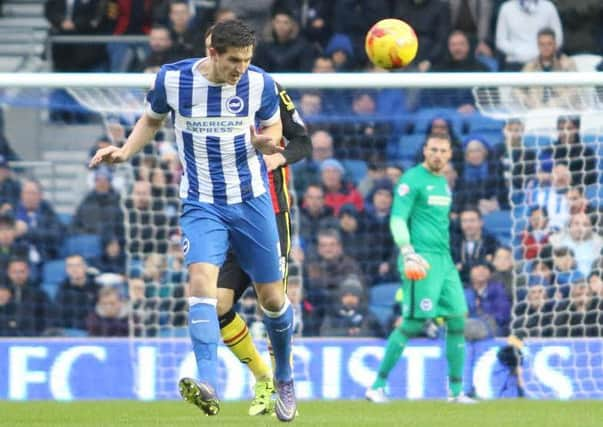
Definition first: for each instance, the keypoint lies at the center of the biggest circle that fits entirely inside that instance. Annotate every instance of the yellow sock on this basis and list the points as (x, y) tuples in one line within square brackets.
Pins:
[(236, 336)]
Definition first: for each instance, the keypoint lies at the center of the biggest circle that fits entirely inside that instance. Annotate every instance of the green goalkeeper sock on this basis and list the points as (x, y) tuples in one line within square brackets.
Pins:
[(395, 346), (455, 353)]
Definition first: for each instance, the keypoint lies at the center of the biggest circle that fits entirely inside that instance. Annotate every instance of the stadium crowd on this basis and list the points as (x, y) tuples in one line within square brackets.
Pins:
[(114, 267)]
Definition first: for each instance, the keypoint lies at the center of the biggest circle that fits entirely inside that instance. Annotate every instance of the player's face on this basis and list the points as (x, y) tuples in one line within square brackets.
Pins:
[(437, 153), (232, 64)]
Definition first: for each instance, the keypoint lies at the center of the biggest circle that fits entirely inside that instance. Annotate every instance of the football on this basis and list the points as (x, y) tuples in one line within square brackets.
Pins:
[(391, 43)]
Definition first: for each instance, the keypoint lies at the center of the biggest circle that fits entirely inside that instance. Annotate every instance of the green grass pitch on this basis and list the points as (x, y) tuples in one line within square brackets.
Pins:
[(515, 413)]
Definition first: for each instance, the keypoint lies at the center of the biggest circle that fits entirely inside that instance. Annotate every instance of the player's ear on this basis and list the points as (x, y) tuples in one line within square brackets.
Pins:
[(212, 52)]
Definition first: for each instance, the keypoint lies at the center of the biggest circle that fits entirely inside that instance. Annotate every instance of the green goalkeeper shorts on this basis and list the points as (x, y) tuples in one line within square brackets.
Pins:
[(440, 294)]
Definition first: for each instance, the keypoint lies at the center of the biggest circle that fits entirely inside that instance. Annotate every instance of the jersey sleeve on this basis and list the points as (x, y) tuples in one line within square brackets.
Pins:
[(404, 200), (299, 145), (268, 113), (156, 105)]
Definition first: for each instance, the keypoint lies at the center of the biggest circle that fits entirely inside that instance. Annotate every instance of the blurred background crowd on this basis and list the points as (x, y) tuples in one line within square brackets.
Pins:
[(526, 215)]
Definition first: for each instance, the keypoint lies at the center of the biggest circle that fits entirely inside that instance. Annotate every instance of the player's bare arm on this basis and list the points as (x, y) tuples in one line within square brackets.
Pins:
[(143, 133)]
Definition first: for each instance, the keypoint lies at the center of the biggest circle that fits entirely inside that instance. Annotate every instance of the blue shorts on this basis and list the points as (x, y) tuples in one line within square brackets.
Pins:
[(208, 230)]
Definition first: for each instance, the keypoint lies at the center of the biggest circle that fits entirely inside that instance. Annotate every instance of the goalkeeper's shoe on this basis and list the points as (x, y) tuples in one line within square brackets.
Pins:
[(286, 404), (462, 398), (376, 395), (199, 394), (262, 402)]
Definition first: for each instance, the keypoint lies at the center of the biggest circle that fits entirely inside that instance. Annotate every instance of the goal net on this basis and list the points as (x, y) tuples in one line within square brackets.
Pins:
[(525, 216)]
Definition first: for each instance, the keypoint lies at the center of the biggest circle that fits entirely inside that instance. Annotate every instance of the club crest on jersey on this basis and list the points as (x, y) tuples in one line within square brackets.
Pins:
[(186, 245), (403, 190), (426, 304), (235, 104)]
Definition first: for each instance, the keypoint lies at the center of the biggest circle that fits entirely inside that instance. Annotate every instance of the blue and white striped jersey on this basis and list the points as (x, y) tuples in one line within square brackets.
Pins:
[(212, 122)]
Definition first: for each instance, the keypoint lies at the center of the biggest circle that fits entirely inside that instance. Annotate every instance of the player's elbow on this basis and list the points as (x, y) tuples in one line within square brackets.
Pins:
[(151, 122)]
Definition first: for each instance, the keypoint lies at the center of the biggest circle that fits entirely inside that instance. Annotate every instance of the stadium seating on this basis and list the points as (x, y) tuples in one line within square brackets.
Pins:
[(499, 224), (381, 299), (86, 245), (478, 123), (53, 273), (355, 169)]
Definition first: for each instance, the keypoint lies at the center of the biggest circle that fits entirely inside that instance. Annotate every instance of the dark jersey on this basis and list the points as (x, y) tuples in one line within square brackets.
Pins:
[(297, 146)]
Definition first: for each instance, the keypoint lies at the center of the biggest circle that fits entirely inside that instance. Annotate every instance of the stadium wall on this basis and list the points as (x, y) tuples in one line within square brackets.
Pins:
[(75, 369)]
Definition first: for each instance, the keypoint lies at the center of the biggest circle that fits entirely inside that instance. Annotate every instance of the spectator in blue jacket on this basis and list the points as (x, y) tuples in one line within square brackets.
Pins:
[(487, 300)]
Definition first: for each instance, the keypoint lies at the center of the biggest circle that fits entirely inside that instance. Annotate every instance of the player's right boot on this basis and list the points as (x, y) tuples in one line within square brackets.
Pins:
[(463, 399), (199, 394), (376, 395), (262, 401), (286, 404)]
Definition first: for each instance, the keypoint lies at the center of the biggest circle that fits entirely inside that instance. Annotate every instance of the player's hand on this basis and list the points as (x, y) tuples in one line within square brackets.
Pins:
[(110, 154), (273, 161), (415, 266), (264, 143)]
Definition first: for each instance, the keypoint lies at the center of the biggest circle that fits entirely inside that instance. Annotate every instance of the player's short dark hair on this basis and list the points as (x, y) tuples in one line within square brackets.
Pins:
[(438, 135), (547, 31), (233, 33)]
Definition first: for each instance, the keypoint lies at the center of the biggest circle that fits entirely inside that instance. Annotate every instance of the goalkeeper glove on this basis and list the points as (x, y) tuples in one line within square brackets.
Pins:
[(415, 266)]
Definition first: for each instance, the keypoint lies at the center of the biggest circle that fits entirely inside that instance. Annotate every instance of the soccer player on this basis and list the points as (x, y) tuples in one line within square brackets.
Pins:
[(233, 281), (431, 284), (214, 103)]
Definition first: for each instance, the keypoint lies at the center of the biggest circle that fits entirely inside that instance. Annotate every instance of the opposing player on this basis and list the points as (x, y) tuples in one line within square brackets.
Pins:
[(431, 283), (214, 103), (233, 280)]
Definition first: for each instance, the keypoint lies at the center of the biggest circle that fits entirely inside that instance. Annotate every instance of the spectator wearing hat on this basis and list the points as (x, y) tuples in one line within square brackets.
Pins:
[(349, 315), (340, 50), (99, 212), (337, 191), (37, 222), (487, 302), (10, 188), (289, 52)]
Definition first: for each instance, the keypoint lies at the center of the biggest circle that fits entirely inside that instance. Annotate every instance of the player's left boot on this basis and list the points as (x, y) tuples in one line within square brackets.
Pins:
[(262, 402), (286, 404), (199, 394), (462, 398), (376, 395)]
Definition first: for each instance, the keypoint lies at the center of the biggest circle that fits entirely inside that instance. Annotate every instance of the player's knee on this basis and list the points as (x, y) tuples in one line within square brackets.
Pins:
[(223, 307), (455, 325), (202, 281), (271, 296)]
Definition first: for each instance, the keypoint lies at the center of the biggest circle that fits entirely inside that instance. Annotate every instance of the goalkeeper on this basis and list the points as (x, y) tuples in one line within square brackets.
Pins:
[(432, 286)]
